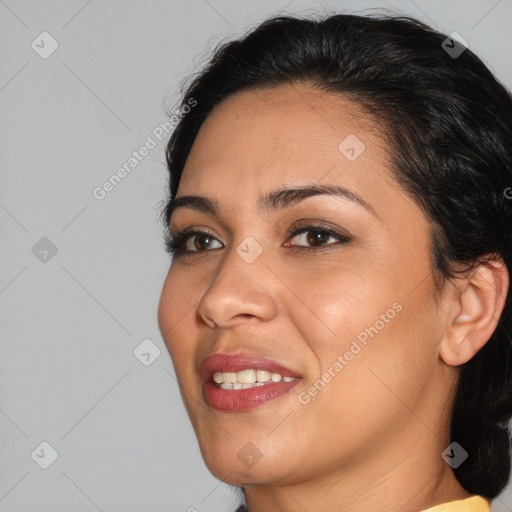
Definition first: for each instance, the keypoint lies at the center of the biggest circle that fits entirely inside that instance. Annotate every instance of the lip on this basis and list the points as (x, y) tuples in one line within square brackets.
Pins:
[(240, 400)]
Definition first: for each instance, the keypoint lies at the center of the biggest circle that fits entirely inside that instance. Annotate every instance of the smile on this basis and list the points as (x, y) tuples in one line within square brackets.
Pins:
[(240, 382)]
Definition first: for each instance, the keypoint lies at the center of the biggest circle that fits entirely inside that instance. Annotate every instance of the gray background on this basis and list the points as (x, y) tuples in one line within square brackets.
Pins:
[(70, 321)]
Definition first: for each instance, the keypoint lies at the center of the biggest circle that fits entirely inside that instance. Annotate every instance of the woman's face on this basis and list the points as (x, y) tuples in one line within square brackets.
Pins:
[(349, 314)]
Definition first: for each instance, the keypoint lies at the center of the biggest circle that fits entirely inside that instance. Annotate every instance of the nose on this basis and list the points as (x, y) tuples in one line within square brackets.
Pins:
[(240, 292)]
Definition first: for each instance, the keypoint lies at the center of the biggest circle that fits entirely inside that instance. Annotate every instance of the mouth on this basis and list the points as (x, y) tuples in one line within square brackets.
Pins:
[(240, 382)]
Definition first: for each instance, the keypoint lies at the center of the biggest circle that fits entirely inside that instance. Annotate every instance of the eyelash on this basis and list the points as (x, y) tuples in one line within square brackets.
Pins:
[(175, 245)]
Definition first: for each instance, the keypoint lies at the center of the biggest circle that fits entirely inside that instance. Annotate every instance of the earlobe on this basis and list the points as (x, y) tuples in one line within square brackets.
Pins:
[(476, 310)]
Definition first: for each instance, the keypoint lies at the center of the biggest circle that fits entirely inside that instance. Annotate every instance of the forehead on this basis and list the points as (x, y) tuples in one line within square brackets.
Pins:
[(280, 135)]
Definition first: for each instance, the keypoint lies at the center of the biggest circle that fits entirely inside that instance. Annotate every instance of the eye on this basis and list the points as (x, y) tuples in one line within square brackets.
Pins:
[(180, 243), (317, 236)]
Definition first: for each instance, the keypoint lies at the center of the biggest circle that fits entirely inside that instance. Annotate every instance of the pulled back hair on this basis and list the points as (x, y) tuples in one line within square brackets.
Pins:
[(448, 121)]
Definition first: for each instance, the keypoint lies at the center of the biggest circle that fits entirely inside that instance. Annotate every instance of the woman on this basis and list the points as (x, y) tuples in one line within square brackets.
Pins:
[(338, 308)]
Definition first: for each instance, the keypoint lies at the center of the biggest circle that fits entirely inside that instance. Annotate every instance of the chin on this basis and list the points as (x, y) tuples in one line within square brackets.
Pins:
[(240, 462), (241, 477)]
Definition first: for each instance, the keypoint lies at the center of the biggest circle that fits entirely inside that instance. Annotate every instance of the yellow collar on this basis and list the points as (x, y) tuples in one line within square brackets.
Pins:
[(472, 504)]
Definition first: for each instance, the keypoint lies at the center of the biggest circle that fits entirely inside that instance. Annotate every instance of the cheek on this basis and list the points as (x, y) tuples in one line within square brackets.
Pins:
[(336, 302), (375, 383), (175, 313), (175, 318), (383, 333)]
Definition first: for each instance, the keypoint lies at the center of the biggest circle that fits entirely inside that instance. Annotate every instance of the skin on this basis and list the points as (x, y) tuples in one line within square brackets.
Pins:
[(372, 438)]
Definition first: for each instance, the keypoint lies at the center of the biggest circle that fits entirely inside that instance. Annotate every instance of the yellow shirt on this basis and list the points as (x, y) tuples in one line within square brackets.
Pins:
[(472, 504)]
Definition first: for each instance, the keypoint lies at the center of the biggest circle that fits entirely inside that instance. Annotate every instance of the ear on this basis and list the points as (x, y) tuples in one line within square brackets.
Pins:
[(474, 309)]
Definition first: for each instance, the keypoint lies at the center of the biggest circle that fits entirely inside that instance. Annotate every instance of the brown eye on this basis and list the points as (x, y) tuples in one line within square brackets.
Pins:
[(313, 237), (180, 244), (201, 241), (319, 238)]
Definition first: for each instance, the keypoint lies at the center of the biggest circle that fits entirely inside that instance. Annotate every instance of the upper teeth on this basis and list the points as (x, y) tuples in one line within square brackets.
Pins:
[(258, 377)]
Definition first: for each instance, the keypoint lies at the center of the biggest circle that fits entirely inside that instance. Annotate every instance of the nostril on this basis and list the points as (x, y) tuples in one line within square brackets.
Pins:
[(209, 323)]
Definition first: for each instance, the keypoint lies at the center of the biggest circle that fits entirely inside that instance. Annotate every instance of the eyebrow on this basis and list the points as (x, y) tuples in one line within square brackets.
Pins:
[(273, 201)]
